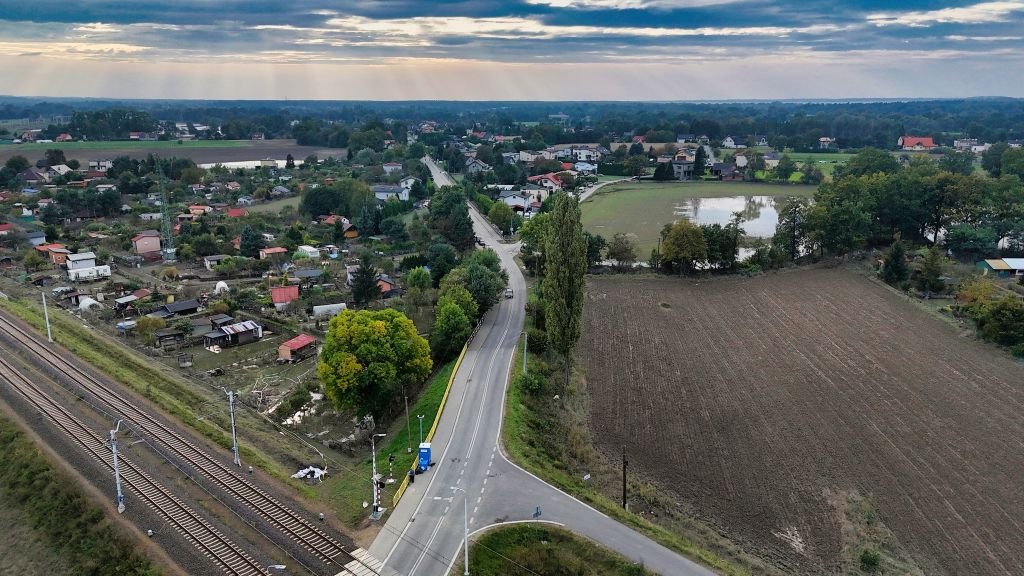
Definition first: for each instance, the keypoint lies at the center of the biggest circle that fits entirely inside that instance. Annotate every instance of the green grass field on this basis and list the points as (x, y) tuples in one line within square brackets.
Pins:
[(544, 549), (642, 208), (126, 144), (276, 205)]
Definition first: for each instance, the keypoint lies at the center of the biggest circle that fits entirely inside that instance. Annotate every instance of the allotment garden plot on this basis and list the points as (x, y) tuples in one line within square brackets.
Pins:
[(755, 401)]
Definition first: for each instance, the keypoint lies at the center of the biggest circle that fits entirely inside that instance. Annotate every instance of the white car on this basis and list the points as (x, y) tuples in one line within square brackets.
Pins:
[(508, 293)]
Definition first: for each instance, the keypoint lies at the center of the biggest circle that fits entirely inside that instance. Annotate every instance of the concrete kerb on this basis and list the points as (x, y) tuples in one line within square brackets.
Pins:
[(433, 428)]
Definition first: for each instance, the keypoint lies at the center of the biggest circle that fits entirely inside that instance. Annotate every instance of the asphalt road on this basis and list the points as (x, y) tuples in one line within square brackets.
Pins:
[(424, 534)]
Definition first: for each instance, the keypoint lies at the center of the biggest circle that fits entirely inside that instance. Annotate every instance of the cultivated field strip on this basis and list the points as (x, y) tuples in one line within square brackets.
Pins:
[(190, 525), (766, 403), (287, 521)]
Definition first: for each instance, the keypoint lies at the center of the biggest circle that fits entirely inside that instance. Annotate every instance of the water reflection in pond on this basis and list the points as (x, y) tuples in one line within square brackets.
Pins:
[(759, 214)]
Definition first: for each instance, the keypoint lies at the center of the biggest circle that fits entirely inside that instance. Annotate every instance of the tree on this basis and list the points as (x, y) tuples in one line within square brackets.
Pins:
[(418, 278), (442, 258), (623, 250), (17, 163), (53, 157), (894, 267), (869, 161), (534, 236), (449, 217), (33, 261), (146, 325), (461, 297), (500, 215), (1013, 162), (635, 165), (451, 330), (364, 284), (289, 161), (785, 168), (664, 172), (394, 228), (484, 284), (958, 162), (596, 246), (368, 357), (566, 255), (929, 279), (684, 246), (700, 162), (250, 243), (971, 241), (992, 159)]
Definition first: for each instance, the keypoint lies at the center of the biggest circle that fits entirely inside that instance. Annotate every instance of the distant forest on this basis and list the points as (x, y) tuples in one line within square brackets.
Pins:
[(796, 125)]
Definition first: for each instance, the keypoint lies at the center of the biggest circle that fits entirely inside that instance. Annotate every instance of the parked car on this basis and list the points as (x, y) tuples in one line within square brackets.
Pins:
[(508, 292), (480, 242)]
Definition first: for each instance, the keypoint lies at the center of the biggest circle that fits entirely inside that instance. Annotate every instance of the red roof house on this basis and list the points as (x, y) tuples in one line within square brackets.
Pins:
[(6, 229), (916, 143), (237, 212), (298, 348), (270, 252), (282, 296)]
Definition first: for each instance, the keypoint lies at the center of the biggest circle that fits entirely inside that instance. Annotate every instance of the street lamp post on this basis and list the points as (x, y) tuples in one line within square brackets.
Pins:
[(465, 529), (376, 514), (117, 469), (46, 314), (420, 416), (234, 438), (408, 423)]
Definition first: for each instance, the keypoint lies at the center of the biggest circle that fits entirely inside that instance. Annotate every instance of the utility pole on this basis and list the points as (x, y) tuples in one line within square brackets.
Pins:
[(420, 416), (408, 423), (234, 438), (465, 529), (624, 463), (46, 314), (376, 514), (117, 469)]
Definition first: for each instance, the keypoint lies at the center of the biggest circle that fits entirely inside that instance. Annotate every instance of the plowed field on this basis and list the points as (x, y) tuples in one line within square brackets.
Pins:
[(751, 399)]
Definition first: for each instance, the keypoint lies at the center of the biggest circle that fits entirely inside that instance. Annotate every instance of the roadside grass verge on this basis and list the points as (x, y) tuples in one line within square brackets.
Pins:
[(65, 520), (550, 439), (142, 375), (353, 487), (529, 549)]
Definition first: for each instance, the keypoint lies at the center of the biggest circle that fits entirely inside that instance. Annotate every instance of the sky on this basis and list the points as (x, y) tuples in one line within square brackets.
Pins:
[(512, 49)]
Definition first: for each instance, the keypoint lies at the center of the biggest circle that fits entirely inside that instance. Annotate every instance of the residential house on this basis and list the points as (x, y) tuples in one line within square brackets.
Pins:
[(509, 157), (237, 334), (282, 296), (63, 137), (393, 168), (273, 252), (150, 216), (733, 142), (476, 166), (34, 175), (307, 276), (57, 254), (915, 143), (179, 308), (233, 186), (6, 229), (965, 143), (408, 182), (146, 242), (1015, 143), (760, 140), (550, 182), (142, 136), (36, 238), (280, 191), (385, 192), (199, 210), (585, 168), (771, 160), (529, 156), (237, 213), (388, 287), (297, 349), (100, 165), (245, 201), (726, 171), (209, 262), (58, 170), (518, 201), (682, 170), (826, 143), (82, 266)]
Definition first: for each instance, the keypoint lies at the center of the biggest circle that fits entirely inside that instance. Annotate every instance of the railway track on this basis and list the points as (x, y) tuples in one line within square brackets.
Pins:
[(288, 522), (186, 522)]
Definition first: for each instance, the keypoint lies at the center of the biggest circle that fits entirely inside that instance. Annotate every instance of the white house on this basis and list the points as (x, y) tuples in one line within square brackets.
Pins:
[(733, 142), (476, 166), (408, 182), (824, 143), (585, 168), (529, 155), (515, 199), (82, 266), (385, 192), (586, 155), (392, 167)]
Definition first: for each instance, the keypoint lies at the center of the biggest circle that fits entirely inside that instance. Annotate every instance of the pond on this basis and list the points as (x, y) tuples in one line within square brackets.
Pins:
[(759, 214)]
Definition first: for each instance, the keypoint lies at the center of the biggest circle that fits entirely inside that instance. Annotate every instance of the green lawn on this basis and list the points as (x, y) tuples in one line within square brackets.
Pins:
[(529, 549), (276, 205), (126, 144), (642, 208)]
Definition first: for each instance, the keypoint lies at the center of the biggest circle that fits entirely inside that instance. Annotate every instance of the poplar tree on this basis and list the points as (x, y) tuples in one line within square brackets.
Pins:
[(566, 262)]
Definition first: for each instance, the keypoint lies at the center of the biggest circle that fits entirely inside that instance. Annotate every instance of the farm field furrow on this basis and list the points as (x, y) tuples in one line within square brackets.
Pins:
[(755, 401)]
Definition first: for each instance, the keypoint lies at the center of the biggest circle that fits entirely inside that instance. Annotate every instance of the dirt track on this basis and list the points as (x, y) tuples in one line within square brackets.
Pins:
[(750, 398)]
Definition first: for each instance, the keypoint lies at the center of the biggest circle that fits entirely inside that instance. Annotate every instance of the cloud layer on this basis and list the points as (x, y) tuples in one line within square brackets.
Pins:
[(785, 48)]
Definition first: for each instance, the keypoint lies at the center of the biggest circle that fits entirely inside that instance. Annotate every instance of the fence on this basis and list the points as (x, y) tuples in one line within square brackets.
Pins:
[(433, 428)]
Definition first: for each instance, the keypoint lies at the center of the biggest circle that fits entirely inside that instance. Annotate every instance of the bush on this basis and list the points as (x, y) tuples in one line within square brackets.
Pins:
[(870, 560), (532, 383), (413, 261), (483, 203), (293, 403), (537, 341)]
